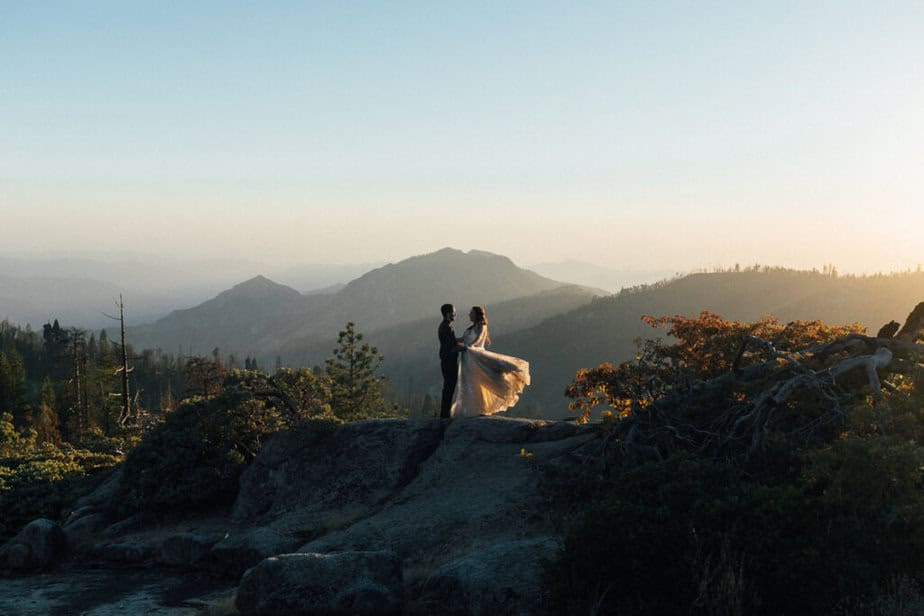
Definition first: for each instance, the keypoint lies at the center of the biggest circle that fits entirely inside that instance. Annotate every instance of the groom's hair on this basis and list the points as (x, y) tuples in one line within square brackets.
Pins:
[(446, 309)]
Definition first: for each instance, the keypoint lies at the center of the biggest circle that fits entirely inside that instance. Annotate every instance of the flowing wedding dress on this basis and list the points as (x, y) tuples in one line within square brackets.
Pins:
[(488, 382)]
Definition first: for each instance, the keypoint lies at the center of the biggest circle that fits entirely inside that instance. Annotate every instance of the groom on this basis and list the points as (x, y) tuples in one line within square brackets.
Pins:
[(449, 357)]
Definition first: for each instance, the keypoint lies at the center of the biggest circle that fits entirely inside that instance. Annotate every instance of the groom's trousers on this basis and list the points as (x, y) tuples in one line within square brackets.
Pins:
[(450, 368)]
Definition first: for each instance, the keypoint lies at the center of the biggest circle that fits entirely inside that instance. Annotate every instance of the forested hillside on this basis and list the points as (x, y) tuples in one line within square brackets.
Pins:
[(606, 329)]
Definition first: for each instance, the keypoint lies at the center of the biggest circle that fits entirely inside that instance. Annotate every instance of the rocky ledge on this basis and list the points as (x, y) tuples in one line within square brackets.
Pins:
[(374, 517)]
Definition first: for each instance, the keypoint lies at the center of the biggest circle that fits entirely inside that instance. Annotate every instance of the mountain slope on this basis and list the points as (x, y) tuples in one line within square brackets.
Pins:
[(606, 329), (410, 348), (240, 313), (260, 317)]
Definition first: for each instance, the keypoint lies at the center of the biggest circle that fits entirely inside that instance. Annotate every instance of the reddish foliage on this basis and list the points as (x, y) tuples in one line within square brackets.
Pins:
[(705, 347)]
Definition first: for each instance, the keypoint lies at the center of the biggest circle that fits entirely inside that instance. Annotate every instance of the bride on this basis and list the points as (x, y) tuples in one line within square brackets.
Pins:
[(488, 382)]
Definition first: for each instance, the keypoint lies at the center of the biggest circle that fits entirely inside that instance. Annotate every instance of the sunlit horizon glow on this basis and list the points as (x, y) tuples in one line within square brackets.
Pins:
[(639, 136)]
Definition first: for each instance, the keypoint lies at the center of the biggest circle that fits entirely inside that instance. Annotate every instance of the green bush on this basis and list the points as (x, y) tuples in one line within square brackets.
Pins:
[(690, 536), (193, 459), (45, 481)]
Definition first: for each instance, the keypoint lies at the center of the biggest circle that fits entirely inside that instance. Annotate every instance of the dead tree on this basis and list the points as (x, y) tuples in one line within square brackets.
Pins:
[(123, 368)]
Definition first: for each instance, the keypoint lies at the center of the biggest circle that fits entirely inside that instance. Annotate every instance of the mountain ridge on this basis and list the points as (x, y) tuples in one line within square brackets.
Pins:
[(258, 316), (606, 329)]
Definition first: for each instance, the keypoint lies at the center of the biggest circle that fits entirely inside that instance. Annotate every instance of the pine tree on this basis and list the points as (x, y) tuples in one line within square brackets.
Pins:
[(105, 351), (356, 391), (46, 419), (12, 383)]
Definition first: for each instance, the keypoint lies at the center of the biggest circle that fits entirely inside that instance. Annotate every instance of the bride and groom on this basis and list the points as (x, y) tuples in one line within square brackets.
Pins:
[(475, 380)]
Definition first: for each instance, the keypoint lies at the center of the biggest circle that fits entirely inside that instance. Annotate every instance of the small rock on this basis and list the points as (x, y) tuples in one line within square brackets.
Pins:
[(80, 512), (128, 553), (187, 549), (139, 521), (37, 546), (347, 583)]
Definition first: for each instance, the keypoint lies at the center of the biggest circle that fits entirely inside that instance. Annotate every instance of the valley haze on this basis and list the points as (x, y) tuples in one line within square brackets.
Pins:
[(556, 325)]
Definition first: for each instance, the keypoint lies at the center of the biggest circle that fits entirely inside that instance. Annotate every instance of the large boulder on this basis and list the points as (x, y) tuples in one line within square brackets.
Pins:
[(503, 579), (483, 484), (37, 546), (242, 549), (346, 583), (311, 480), (92, 513)]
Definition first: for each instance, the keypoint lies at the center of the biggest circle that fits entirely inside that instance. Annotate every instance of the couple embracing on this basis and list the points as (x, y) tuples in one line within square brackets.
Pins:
[(481, 382)]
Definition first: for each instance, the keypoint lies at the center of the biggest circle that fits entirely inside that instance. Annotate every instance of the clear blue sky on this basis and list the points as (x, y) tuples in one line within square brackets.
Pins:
[(641, 134)]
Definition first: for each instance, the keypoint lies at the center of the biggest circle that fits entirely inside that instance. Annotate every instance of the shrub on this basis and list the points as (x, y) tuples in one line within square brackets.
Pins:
[(701, 537), (194, 458), (45, 481)]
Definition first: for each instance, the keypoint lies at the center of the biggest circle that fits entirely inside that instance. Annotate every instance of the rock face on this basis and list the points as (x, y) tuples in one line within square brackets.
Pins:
[(374, 517), (347, 583), (103, 496), (245, 548), (315, 481), (496, 580), (83, 528), (461, 504), (91, 514), (37, 546)]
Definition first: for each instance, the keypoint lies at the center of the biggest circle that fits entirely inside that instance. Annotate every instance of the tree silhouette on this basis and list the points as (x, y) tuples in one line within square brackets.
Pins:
[(356, 391)]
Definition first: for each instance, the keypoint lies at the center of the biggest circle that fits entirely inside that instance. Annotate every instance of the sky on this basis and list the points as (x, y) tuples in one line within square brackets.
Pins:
[(636, 135)]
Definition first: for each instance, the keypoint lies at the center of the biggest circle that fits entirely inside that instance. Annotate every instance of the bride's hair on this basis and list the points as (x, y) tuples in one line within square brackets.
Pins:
[(479, 315), (481, 319)]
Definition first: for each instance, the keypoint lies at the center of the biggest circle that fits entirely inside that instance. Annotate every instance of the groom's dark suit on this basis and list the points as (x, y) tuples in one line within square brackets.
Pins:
[(449, 363)]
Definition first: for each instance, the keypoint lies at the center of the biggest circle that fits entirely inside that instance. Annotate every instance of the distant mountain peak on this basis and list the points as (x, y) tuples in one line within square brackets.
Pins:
[(446, 251), (259, 287), (259, 279), (454, 254)]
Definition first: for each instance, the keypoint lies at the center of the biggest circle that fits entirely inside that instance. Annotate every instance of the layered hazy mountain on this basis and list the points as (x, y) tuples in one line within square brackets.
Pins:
[(556, 326), (262, 318), (78, 291)]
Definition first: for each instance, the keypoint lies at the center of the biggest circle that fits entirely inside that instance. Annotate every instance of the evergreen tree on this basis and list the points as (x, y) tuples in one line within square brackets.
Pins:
[(356, 391), (92, 349), (105, 351), (5, 381), (55, 345), (12, 382), (46, 419)]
